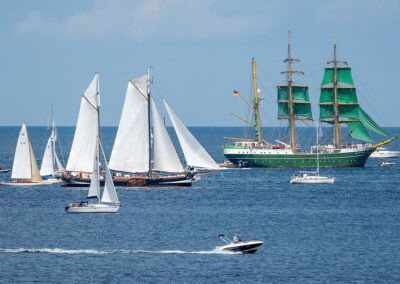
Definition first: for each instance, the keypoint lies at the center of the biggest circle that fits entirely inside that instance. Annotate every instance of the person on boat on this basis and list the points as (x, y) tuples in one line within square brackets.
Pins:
[(236, 239), (245, 240)]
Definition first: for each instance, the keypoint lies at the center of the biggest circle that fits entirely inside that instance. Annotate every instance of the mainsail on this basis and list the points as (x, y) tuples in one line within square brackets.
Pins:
[(165, 157), (195, 154), (131, 148), (339, 104), (81, 155), (25, 166)]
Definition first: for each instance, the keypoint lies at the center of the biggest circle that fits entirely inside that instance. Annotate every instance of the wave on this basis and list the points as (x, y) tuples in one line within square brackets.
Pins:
[(94, 251)]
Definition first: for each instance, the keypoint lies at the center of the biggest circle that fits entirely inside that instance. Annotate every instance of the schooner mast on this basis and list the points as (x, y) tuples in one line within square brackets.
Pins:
[(148, 119), (293, 100)]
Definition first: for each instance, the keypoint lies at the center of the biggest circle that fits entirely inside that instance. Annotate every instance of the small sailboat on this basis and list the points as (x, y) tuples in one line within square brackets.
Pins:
[(109, 202), (312, 177), (25, 171), (51, 168)]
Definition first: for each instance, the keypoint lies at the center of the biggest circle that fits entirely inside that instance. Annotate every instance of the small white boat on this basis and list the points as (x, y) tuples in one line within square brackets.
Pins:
[(4, 170), (237, 245), (25, 171), (386, 164), (109, 202), (311, 177), (382, 153)]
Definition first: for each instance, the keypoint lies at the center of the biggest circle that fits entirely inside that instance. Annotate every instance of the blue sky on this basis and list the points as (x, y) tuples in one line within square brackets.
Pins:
[(201, 51)]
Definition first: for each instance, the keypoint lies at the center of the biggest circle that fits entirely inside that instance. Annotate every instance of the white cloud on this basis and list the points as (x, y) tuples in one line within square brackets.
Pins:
[(146, 19)]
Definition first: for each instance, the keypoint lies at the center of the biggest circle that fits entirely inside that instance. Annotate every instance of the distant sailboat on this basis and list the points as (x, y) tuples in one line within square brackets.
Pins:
[(51, 168), (25, 171)]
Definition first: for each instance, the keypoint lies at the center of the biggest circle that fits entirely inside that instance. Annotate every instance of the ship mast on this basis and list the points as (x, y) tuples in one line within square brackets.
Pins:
[(290, 72), (148, 118), (256, 113), (336, 120)]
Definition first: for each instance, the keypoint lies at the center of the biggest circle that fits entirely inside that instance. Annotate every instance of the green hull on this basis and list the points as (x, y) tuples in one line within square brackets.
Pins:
[(303, 160)]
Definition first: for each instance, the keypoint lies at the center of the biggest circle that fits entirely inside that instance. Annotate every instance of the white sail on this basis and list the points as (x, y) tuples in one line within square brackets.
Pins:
[(59, 165), (131, 147), (195, 154), (94, 189), (165, 157), (81, 155), (22, 161), (109, 193), (46, 169)]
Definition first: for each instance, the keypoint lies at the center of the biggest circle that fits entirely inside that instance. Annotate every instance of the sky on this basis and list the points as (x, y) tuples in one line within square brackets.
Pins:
[(199, 51)]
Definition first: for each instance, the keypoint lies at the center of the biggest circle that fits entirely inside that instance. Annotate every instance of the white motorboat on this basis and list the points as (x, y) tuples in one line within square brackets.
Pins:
[(4, 170), (311, 177), (109, 202), (240, 246), (382, 153), (386, 164)]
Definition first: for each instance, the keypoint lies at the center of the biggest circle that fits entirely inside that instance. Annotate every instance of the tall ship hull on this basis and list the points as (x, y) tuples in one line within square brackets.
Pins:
[(133, 181), (299, 160)]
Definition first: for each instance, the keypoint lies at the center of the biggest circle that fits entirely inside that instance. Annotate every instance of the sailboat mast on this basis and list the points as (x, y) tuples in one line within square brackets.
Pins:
[(148, 117), (257, 115), (317, 149), (336, 109), (53, 139), (291, 115), (98, 131)]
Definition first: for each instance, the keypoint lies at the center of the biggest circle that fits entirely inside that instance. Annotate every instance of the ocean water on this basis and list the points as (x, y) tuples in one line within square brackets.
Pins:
[(348, 232)]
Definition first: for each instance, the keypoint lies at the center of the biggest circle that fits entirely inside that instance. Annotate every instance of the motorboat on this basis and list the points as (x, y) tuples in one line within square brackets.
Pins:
[(311, 177), (238, 245), (386, 164), (4, 170), (384, 153)]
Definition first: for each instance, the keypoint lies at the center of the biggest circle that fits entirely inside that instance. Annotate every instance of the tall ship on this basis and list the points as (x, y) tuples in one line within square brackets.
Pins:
[(143, 153), (338, 105)]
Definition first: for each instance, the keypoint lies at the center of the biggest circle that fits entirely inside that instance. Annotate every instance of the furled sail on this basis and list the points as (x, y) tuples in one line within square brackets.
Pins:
[(81, 155), (195, 154), (22, 159), (165, 157), (109, 193), (131, 147), (301, 102)]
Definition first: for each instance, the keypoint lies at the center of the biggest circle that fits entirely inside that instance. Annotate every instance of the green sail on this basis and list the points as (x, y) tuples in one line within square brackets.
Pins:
[(299, 93), (358, 131), (344, 95), (301, 102), (343, 75), (370, 124)]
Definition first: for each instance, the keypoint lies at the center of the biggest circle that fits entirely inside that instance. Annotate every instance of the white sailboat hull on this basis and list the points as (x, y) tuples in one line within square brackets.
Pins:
[(311, 179), (91, 208)]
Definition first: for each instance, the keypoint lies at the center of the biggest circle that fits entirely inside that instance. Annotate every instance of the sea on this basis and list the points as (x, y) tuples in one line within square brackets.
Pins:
[(346, 232)]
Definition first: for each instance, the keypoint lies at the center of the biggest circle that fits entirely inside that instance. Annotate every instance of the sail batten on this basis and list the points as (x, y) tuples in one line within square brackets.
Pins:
[(195, 154), (81, 154), (131, 149), (165, 157)]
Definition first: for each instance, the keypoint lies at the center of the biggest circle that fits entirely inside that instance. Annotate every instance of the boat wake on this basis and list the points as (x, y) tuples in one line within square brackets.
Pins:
[(96, 252)]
